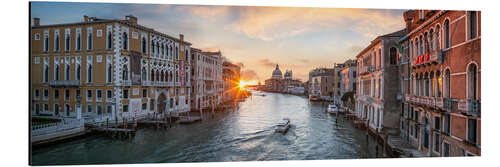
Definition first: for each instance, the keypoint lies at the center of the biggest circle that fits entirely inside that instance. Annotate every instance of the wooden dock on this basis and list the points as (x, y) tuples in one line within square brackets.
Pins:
[(189, 120)]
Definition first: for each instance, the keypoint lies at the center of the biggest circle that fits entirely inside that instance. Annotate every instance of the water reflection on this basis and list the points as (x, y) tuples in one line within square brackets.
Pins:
[(243, 135)]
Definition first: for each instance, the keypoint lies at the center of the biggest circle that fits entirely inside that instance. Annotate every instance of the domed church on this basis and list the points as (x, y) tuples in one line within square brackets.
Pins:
[(277, 73)]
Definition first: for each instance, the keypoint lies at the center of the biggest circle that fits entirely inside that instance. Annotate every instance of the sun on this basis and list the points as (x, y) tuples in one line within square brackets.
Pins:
[(244, 84)]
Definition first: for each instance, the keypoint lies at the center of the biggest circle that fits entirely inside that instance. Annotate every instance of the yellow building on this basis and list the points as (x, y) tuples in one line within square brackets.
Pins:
[(107, 68)]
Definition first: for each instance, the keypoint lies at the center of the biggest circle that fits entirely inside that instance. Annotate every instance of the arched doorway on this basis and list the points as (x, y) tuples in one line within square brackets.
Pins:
[(161, 102)]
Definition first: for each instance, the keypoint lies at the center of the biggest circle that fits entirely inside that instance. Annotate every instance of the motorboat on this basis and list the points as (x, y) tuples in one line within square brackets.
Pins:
[(283, 126), (332, 108)]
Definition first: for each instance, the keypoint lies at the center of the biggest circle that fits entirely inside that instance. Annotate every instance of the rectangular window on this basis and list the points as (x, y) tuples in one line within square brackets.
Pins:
[(109, 95), (99, 33), (436, 142), (78, 95), (472, 24), (66, 94), (144, 106), (37, 94), (145, 93), (37, 36), (437, 123), (56, 94), (89, 95), (37, 108), (108, 109), (45, 107), (471, 130), (447, 123), (152, 104), (45, 94), (89, 107), (446, 149), (98, 108), (99, 95), (125, 108), (125, 94), (56, 109)]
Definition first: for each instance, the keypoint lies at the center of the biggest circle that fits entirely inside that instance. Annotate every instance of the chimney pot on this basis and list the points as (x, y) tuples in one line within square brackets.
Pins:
[(85, 18), (36, 21), (181, 37)]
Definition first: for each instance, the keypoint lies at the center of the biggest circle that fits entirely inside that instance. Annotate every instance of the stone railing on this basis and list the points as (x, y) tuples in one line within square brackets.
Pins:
[(474, 107), (127, 83), (64, 125), (65, 83)]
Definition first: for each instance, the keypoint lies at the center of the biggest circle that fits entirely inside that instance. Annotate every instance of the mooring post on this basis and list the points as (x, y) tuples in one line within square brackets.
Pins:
[(107, 119), (116, 125)]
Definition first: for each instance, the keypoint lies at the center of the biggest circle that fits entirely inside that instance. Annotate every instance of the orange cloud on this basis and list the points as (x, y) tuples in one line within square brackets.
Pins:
[(269, 23)]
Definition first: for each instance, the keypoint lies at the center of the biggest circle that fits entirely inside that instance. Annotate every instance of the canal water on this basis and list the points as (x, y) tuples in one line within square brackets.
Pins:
[(246, 134)]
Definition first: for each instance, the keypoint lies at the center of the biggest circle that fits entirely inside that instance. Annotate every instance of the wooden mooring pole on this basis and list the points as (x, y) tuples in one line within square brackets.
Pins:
[(107, 119)]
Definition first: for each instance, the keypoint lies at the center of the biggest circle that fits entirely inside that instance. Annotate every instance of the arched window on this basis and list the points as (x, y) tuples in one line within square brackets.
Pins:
[(176, 76), (432, 39), (421, 45), (427, 88), (89, 73), (380, 57), (144, 46), (162, 77), (89, 40), (158, 76), (152, 75), (110, 73), (56, 43), (447, 81), (46, 74), (66, 73), (125, 73), (67, 43), (57, 73), (433, 84), (426, 43), (447, 42), (472, 82), (176, 53), (170, 76), (438, 37), (417, 52), (78, 42), (393, 55), (125, 41), (109, 36), (144, 75), (78, 74), (439, 84)]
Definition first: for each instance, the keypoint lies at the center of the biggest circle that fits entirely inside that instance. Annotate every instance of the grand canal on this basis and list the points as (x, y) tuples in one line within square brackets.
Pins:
[(246, 134)]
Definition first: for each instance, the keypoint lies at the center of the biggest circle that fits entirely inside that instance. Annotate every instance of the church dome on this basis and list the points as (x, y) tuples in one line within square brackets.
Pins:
[(277, 73)]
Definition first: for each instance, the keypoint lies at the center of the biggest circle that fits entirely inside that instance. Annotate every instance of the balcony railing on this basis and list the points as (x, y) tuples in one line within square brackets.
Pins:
[(432, 56), (473, 107), (127, 83), (146, 83), (65, 83), (367, 69)]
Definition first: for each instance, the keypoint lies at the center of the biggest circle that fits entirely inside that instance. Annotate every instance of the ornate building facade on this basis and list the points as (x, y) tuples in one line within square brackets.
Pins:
[(107, 68)]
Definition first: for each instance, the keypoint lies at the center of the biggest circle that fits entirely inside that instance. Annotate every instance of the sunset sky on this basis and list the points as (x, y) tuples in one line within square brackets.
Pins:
[(256, 38)]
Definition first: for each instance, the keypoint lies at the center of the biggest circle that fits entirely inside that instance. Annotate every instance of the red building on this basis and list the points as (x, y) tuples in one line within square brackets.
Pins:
[(441, 113)]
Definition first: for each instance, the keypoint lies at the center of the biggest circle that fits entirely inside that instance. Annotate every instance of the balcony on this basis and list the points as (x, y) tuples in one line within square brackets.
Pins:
[(146, 83), (427, 58), (64, 83), (473, 107), (367, 69), (127, 83)]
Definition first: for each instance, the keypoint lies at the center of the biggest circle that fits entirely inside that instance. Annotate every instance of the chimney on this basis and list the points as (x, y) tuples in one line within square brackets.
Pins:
[(131, 18), (181, 37), (36, 21), (408, 17), (85, 18)]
